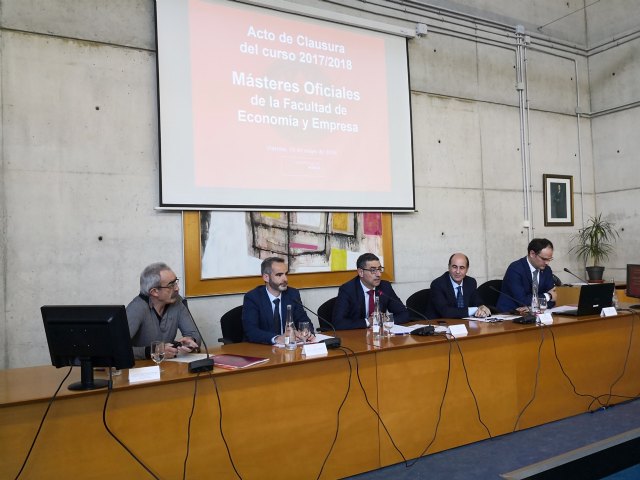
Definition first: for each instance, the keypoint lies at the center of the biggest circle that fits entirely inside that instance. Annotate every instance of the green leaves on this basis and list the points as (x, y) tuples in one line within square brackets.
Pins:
[(595, 240)]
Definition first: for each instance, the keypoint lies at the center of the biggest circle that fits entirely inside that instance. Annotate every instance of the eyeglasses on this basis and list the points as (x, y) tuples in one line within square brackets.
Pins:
[(171, 284), (545, 259), (373, 270)]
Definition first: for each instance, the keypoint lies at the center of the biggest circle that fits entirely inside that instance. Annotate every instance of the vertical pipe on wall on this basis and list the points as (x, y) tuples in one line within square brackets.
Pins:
[(578, 116), (526, 173), (527, 136)]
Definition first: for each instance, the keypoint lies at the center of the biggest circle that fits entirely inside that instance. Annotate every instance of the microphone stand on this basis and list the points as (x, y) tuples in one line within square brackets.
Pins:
[(579, 278), (524, 319), (205, 364), (426, 330), (334, 342)]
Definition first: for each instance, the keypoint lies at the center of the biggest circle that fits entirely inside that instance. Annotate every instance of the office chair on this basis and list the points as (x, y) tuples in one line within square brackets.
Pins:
[(231, 324), (419, 302), (325, 314), (488, 295)]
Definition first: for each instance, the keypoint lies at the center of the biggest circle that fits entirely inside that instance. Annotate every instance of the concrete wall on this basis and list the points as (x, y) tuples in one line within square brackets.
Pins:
[(79, 157), (614, 75)]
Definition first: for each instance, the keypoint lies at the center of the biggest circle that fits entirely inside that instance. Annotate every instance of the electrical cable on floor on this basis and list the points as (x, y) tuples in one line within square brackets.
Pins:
[(226, 445), (371, 406), (335, 437), (44, 416), (193, 407), (535, 385), (611, 394), (624, 366), (444, 395), (106, 426), (475, 400), (575, 389)]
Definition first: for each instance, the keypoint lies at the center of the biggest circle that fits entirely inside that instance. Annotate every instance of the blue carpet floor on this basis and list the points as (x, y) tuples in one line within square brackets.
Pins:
[(631, 473), (490, 458)]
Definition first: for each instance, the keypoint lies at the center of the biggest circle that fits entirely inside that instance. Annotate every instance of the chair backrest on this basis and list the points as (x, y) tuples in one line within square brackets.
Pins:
[(489, 292), (419, 302), (231, 324), (325, 314)]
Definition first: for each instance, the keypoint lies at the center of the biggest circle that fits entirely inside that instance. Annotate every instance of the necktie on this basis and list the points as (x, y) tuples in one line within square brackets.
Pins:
[(371, 302), (534, 281), (277, 323), (459, 299)]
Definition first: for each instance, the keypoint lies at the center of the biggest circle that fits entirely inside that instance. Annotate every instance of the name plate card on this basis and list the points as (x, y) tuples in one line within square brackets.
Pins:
[(144, 374), (545, 318), (314, 349), (458, 330), (609, 312)]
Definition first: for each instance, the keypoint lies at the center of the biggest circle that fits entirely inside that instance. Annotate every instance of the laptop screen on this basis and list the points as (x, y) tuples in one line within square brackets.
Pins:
[(594, 297)]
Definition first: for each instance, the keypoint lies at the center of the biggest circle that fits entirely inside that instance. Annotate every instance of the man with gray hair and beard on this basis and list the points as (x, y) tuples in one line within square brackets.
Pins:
[(157, 313)]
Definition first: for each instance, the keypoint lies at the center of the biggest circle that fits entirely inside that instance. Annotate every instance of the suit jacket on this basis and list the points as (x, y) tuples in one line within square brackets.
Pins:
[(517, 283), (257, 313), (349, 309), (443, 303)]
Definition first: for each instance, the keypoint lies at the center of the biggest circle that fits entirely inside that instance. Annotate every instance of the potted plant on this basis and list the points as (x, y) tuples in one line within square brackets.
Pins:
[(595, 241)]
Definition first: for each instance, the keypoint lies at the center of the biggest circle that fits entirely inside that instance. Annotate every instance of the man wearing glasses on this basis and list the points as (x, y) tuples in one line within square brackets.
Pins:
[(356, 297), (523, 274), (157, 313)]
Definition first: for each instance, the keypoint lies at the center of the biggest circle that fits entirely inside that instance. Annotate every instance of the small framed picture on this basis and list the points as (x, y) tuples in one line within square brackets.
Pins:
[(558, 200)]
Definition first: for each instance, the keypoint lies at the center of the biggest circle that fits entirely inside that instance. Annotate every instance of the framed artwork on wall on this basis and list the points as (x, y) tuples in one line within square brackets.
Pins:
[(223, 250), (558, 200)]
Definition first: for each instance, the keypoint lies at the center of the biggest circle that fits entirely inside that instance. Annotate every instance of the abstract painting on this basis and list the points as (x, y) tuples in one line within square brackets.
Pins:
[(320, 247)]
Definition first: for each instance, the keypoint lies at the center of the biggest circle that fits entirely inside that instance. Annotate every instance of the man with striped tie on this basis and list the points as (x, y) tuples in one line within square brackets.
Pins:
[(526, 275)]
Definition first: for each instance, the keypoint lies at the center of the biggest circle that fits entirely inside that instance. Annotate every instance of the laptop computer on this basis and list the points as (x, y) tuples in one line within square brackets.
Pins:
[(593, 298)]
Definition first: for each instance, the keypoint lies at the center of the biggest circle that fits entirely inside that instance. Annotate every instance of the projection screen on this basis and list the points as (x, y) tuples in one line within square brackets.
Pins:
[(265, 110)]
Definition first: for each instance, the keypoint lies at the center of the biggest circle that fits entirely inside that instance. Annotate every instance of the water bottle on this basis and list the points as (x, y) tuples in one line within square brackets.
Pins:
[(289, 331), (376, 318), (534, 300), (614, 300)]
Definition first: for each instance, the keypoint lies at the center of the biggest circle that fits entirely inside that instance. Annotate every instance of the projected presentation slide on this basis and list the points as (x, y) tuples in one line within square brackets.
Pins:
[(265, 109)]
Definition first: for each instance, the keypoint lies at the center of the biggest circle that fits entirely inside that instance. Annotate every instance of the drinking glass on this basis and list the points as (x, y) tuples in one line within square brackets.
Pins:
[(388, 323), (304, 328), (157, 352), (542, 304), (534, 304)]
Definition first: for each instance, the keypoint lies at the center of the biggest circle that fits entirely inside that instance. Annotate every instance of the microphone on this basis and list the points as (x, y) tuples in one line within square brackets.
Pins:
[(571, 273), (329, 342), (380, 293), (527, 318), (205, 364), (422, 331)]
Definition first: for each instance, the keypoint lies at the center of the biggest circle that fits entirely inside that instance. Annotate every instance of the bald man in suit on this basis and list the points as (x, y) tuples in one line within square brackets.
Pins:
[(454, 294)]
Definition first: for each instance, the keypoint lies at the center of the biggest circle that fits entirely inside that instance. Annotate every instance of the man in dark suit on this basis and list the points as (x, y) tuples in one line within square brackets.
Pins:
[(354, 302), (454, 294), (517, 285), (264, 310)]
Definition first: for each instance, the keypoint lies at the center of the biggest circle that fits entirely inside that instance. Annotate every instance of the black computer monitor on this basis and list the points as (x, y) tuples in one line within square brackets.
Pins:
[(88, 336), (633, 280)]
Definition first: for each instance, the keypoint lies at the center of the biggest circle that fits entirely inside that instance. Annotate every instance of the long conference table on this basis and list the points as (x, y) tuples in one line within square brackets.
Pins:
[(380, 401)]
